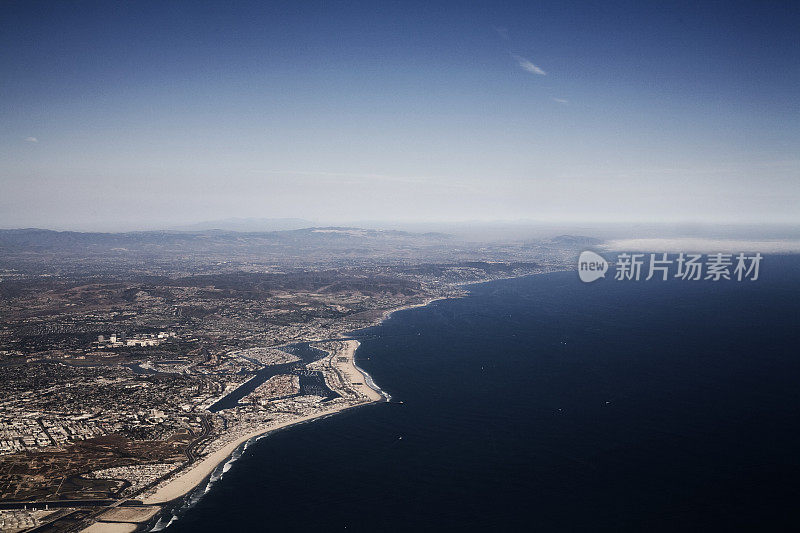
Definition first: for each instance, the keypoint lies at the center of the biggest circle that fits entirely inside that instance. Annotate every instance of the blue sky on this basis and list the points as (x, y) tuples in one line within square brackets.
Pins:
[(139, 115)]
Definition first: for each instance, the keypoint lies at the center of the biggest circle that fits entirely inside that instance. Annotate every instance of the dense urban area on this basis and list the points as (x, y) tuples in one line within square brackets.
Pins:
[(127, 358)]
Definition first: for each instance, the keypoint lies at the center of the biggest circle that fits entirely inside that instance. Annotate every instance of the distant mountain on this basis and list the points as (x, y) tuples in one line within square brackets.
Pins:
[(332, 238), (247, 224), (576, 240)]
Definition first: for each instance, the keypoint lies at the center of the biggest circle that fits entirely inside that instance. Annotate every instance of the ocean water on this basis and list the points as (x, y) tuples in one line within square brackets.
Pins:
[(545, 404)]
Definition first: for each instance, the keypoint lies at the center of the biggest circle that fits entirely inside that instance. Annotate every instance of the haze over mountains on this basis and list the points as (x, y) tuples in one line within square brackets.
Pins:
[(34, 239), (248, 224)]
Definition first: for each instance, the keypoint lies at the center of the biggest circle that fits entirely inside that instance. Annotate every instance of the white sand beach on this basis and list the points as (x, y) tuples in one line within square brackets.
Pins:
[(185, 481)]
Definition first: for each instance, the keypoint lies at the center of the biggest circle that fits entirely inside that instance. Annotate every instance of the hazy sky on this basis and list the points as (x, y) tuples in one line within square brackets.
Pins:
[(133, 115)]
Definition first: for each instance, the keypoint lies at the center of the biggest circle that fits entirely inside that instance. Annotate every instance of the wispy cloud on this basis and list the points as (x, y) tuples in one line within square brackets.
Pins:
[(528, 66), (501, 31), (31, 140), (560, 100), (696, 244)]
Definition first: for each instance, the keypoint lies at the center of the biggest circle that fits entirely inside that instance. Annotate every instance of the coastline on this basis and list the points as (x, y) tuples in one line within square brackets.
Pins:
[(389, 312), (343, 363), (191, 478), (185, 482), (188, 480)]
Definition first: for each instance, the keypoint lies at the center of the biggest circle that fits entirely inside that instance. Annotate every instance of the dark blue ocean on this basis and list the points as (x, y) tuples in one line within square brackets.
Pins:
[(546, 404)]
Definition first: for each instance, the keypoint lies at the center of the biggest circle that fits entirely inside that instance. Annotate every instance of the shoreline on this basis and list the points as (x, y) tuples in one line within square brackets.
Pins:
[(185, 482), (191, 478), (389, 312)]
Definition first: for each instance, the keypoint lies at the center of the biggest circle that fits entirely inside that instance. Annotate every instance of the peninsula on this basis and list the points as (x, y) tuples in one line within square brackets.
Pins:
[(134, 365)]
